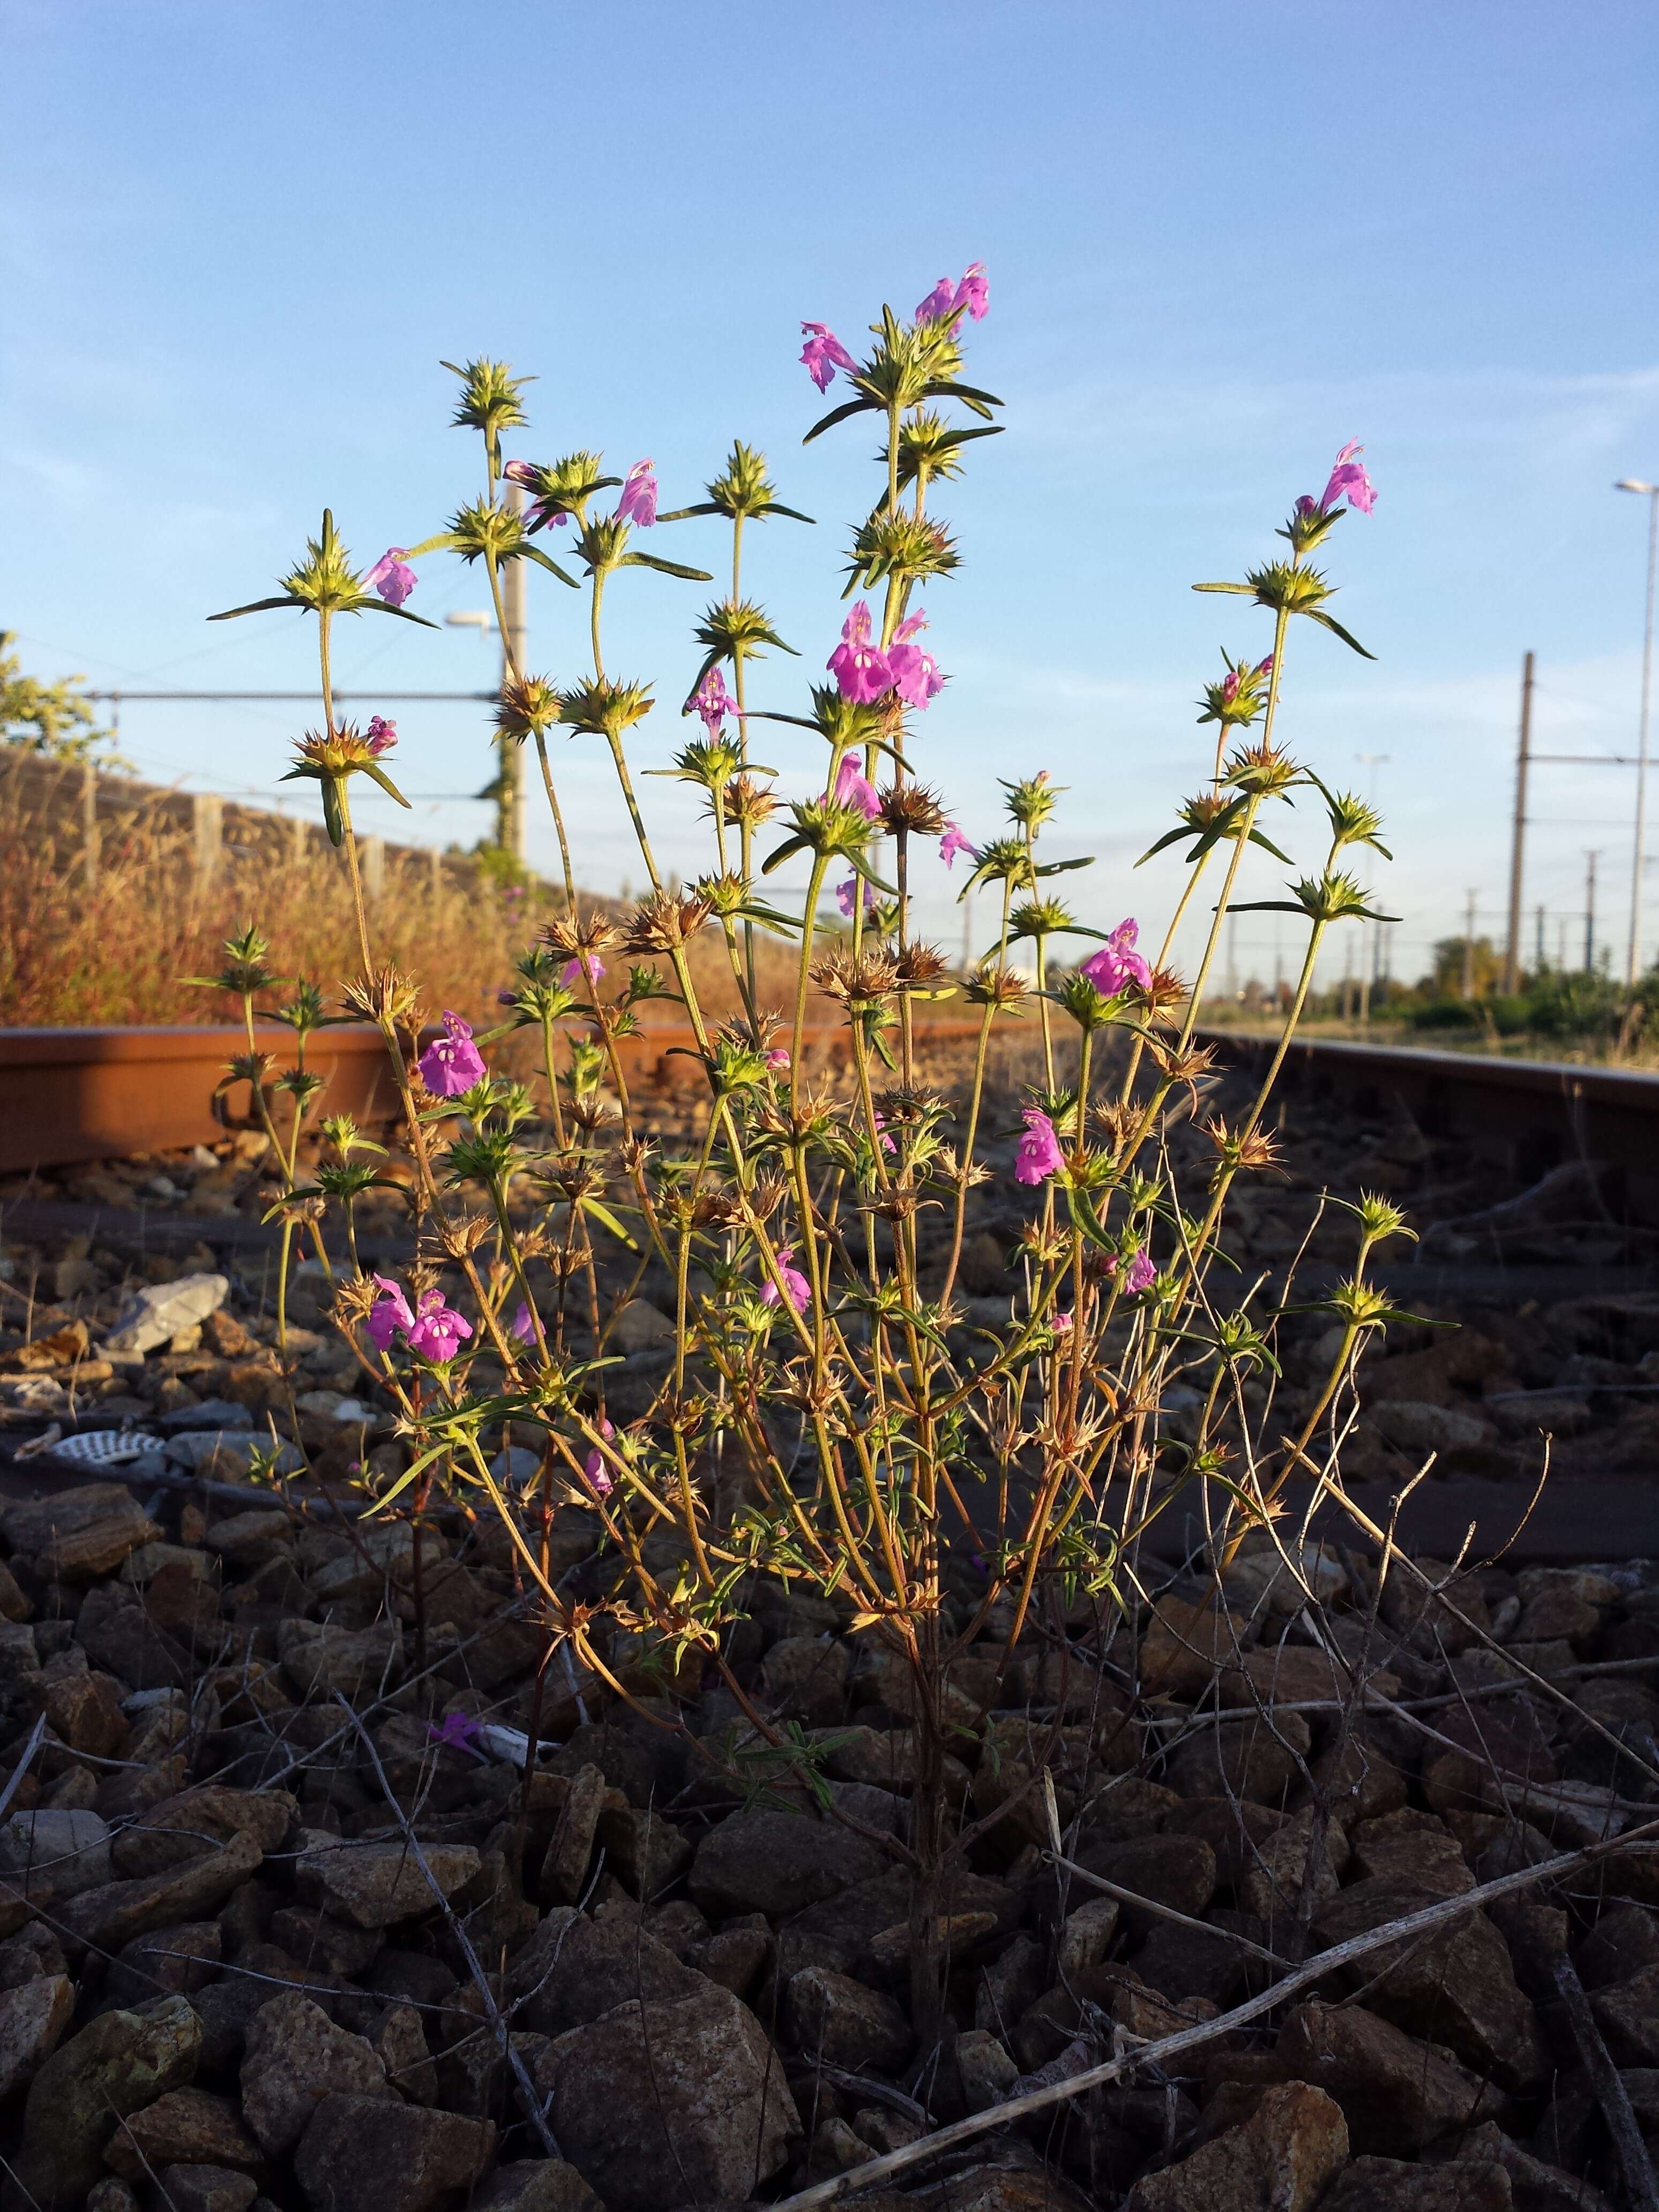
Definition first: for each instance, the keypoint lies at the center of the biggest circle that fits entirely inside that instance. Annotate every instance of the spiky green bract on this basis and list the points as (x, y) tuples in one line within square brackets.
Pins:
[(491, 400), (912, 362), (742, 492), (846, 724), (566, 486), (1287, 589), (1360, 1304), (1239, 696), (1047, 917), (305, 1010), (825, 827), (1379, 1218), (1210, 820), (1334, 896), (1241, 1345), (1077, 996), (1354, 821), (602, 546), (1031, 801), (1001, 860), (709, 762), (734, 629), (1308, 526), (604, 707), (899, 547), (324, 583), (331, 758), (245, 971), (930, 448)]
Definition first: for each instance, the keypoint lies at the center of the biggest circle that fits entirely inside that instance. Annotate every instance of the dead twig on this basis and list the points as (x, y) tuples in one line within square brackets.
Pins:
[(532, 2103), (1172, 2046), (1607, 2082)]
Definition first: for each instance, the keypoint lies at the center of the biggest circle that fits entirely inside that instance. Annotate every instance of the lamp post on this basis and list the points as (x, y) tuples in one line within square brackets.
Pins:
[(1633, 957)]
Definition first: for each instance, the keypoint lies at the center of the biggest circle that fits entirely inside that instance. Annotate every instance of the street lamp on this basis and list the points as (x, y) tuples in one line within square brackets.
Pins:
[(1650, 492)]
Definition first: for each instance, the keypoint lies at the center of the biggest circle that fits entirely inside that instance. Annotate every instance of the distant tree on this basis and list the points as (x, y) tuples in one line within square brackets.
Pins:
[(54, 719)]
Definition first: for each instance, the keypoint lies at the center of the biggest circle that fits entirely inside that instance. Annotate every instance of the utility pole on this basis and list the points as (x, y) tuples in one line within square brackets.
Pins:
[(1469, 945), (1633, 958), (1517, 849), (1538, 956), (1589, 914), (509, 803)]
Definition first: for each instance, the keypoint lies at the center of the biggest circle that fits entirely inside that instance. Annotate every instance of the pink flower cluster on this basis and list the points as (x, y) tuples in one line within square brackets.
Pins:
[(799, 1289), (380, 735), (1347, 480), (1235, 677), (1135, 1274), (712, 702), (637, 501), (451, 1063), (863, 672), (854, 789), (435, 1333), (947, 299), (1038, 1155), (392, 577), (581, 964), (1117, 965), (593, 1467)]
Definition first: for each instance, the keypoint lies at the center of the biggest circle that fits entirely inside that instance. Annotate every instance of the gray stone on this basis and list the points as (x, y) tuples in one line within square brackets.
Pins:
[(210, 1413), (117, 2063), (207, 2188), (161, 1311), (1285, 2155), (296, 2058), (718, 2120), (831, 2016), (33, 2017), (197, 1446), (777, 1863), (361, 2155), (69, 1850), (374, 1885)]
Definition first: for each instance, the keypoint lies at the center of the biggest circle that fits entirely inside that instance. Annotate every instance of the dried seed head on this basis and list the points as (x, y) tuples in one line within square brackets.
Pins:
[(529, 707), (862, 979), (581, 937), (461, 1233), (746, 801), (1253, 1150), (767, 1195), (387, 995), (1005, 989), (1166, 989), (911, 806), (920, 967), (664, 922)]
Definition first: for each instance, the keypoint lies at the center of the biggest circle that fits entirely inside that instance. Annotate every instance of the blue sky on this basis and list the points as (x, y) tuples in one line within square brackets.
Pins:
[(1221, 240)]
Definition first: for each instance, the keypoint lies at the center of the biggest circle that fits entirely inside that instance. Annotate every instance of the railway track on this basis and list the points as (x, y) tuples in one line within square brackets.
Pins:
[(70, 1096)]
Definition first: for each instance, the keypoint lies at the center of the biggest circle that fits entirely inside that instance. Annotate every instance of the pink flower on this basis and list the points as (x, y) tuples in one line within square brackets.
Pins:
[(1117, 965), (823, 354), (1133, 1275), (712, 702), (638, 502), (438, 1330), (1060, 1323), (523, 1325), (531, 476), (389, 1313), (392, 577), (453, 1063), (939, 301), (593, 1467), (952, 842), (581, 964), (380, 735), (887, 1144), (1349, 481), (778, 1059), (847, 896), (974, 292), (915, 673), (457, 1732), (799, 1289), (854, 789), (860, 668), (1038, 1154), (1235, 677)]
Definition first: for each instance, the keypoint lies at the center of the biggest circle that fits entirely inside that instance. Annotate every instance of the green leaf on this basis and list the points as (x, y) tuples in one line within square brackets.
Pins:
[(257, 607), (333, 815), (380, 607), (373, 770), (862, 868), (666, 567), (535, 553), (793, 512), (1244, 591), (787, 851), (445, 542), (684, 513), (1330, 622), (408, 1476), (1063, 867), (841, 414), (604, 1213)]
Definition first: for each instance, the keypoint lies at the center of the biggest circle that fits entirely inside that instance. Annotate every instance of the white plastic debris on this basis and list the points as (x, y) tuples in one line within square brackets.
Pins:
[(102, 1447), (162, 1311)]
